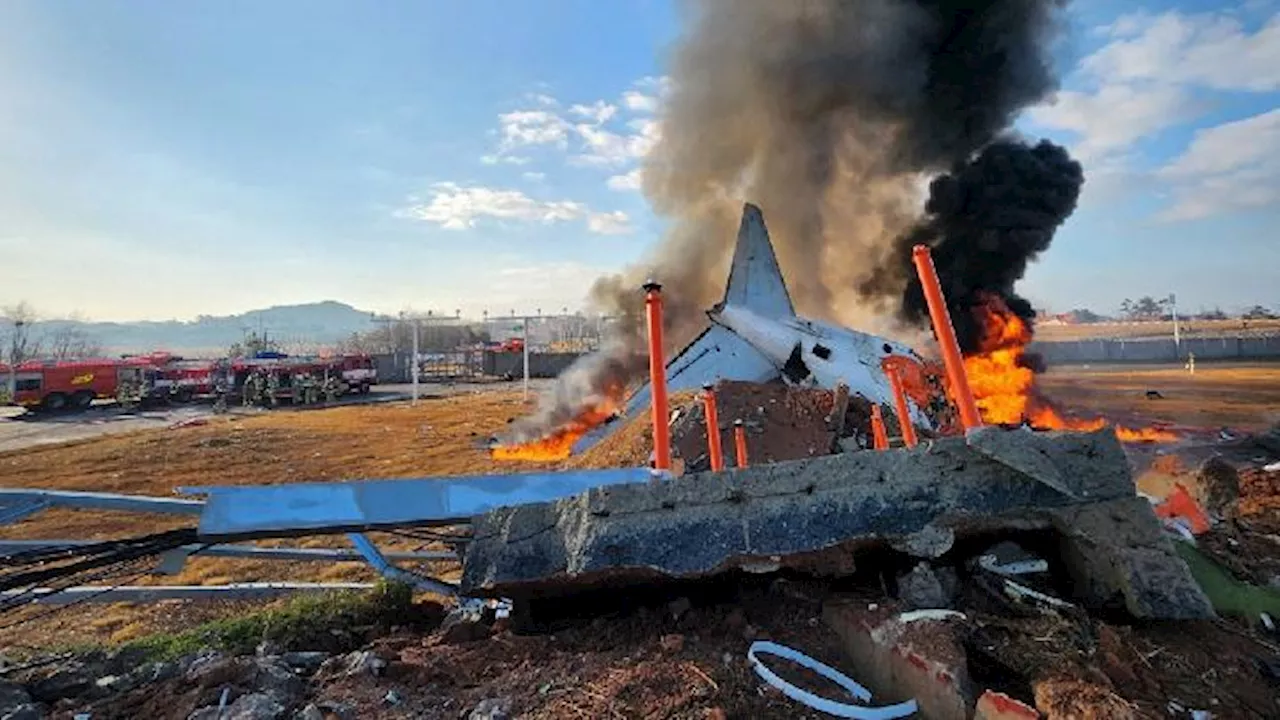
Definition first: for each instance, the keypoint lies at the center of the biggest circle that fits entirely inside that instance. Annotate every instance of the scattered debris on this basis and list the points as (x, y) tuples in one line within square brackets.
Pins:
[(816, 702)]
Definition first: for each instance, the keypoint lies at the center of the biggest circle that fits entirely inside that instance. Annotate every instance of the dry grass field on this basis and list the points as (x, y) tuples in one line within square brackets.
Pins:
[(1234, 395)]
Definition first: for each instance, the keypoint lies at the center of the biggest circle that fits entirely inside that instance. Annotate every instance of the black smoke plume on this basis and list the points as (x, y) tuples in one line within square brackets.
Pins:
[(985, 221), (828, 114)]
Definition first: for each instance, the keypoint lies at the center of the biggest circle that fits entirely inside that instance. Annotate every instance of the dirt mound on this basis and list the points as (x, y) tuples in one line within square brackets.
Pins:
[(1259, 491), (781, 423)]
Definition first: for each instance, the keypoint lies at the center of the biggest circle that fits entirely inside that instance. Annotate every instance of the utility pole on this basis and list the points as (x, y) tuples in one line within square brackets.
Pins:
[(1177, 336), (525, 348), (414, 371), (14, 359)]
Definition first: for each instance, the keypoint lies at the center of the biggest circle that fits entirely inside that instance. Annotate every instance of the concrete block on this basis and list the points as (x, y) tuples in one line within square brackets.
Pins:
[(899, 661), (805, 513), (1119, 556)]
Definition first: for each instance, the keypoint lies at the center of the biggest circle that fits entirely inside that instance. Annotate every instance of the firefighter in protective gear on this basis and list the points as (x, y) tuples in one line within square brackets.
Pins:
[(273, 387), (252, 388), (220, 395), (330, 388)]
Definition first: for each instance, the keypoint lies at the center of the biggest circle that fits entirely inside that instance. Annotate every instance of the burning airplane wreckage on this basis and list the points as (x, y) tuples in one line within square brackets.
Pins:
[(548, 545), (551, 534)]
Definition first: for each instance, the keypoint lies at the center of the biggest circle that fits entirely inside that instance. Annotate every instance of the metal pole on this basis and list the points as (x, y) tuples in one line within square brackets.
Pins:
[(13, 362), (414, 370), (740, 442), (1177, 336), (908, 431), (879, 438), (713, 427), (525, 348), (658, 378), (946, 333)]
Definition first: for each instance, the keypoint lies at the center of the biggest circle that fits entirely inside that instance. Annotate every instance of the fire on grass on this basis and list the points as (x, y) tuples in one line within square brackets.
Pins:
[(558, 444), (1003, 380)]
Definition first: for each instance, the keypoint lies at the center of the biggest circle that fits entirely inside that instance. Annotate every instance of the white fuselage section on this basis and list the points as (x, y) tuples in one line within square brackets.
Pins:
[(831, 354)]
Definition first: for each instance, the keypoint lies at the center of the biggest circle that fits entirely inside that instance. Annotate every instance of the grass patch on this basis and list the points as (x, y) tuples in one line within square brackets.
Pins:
[(1229, 595), (334, 622)]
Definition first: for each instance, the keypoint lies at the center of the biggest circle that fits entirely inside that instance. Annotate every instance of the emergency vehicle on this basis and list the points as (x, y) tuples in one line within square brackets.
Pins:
[(61, 385)]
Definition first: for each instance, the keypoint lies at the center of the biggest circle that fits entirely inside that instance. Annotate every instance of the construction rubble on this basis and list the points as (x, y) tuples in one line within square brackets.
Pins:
[(815, 515)]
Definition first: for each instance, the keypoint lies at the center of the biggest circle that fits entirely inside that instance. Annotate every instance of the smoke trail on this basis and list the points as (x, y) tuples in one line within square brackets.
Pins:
[(986, 220), (828, 114)]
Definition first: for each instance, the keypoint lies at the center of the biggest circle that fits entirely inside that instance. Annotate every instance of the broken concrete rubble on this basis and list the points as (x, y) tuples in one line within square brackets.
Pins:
[(922, 659), (812, 514)]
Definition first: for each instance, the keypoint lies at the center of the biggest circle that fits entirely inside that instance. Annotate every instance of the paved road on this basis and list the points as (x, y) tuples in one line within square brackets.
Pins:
[(19, 429)]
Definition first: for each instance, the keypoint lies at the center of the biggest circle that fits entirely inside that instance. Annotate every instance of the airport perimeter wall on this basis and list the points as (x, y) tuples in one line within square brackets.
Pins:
[(1075, 352), (395, 367)]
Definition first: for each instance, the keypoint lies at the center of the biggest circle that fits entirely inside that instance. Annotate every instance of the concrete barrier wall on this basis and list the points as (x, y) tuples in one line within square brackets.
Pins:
[(1158, 351)]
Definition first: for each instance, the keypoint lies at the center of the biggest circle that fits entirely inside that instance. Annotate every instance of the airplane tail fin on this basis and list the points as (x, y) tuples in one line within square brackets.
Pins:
[(755, 280)]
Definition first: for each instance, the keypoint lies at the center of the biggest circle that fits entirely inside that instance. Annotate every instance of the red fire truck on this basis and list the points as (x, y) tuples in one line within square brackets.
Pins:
[(161, 377), (54, 385), (359, 372)]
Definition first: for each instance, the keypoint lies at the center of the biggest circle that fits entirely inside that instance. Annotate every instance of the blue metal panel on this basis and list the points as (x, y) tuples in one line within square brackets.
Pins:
[(151, 593), (99, 501), (305, 508), (371, 553), (15, 512), (251, 552)]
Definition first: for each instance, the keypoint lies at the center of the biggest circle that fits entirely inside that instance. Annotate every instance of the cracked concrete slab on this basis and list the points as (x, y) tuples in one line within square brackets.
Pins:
[(811, 514)]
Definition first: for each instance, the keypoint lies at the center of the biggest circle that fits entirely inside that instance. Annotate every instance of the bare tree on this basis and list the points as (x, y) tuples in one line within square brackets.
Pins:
[(67, 342), (17, 341)]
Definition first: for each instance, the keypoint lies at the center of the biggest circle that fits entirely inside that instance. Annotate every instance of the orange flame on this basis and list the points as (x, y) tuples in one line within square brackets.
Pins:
[(1004, 386), (558, 444)]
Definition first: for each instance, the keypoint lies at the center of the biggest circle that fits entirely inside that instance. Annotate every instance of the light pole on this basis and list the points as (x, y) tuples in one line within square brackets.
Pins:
[(415, 360), (1177, 336), (525, 349), (14, 359)]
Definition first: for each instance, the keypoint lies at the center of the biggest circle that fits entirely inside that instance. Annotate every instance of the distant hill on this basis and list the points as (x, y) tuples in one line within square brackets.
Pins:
[(299, 326)]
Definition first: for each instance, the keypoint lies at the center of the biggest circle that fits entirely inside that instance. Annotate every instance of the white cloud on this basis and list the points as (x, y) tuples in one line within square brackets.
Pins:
[(544, 99), (610, 223), (533, 127), (1232, 166), (1212, 50), (603, 147), (1144, 79), (457, 207), (534, 176), (626, 181), (598, 112), (592, 133), (1115, 116), (660, 84), (505, 159), (639, 102)]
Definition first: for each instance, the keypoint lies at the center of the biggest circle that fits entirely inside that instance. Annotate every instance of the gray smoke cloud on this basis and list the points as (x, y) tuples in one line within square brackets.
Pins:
[(831, 115)]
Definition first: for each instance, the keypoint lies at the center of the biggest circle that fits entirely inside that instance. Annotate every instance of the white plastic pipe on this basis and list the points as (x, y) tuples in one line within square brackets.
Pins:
[(831, 707)]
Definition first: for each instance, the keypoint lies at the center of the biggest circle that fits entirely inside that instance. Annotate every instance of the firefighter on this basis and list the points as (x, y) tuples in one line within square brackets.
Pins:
[(252, 388), (273, 387), (220, 396), (330, 388), (125, 393), (302, 389)]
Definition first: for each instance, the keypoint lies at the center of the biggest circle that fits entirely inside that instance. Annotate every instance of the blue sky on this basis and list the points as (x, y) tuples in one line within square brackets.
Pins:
[(162, 160)]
